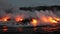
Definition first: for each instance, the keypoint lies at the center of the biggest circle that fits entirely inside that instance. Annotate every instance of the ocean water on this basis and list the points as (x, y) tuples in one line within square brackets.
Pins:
[(30, 30)]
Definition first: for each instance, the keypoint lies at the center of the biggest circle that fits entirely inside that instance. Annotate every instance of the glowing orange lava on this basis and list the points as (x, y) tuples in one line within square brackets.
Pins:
[(5, 18), (34, 22), (44, 19), (20, 29), (58, 19), (19, 18), (51, 20)]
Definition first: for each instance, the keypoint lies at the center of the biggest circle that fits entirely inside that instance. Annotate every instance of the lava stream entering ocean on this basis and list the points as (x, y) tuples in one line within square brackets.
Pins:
[(5, 18), (35, 21), (18, 18)]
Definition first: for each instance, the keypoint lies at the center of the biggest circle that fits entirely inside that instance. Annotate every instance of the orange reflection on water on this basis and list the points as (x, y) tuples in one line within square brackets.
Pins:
[(20, 29), (5, 18), (4, 29), (50, 29), (34, 29)]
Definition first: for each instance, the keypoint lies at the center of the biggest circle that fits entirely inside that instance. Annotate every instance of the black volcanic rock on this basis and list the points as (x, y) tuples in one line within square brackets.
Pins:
[(54, 7), (25, 21), (26, 8), (42, 8)]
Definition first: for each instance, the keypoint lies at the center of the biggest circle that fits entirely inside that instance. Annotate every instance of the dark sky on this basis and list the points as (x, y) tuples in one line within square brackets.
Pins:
[(33, 2)]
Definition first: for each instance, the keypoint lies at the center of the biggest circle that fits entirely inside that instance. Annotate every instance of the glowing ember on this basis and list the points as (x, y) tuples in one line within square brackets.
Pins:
[(34, 22)]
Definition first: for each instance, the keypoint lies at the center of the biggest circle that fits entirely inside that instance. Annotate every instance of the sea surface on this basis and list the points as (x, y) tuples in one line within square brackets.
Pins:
[(30, 30)]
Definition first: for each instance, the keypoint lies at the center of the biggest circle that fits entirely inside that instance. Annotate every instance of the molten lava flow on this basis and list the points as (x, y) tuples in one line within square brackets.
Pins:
[(19, 18), (44, 19), (57, 19), (34, 22), (5, 18), (51, 20)]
